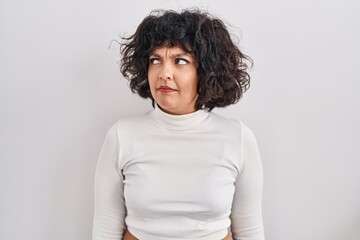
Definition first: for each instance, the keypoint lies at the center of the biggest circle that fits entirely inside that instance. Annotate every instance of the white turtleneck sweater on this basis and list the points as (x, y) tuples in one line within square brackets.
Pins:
[(177, 177)]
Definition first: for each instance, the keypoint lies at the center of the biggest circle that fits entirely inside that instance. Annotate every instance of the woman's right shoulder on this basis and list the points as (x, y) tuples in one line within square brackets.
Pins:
[(130, 123)]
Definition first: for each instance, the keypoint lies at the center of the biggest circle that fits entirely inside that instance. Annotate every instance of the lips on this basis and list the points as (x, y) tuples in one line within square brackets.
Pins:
[(166, 89)]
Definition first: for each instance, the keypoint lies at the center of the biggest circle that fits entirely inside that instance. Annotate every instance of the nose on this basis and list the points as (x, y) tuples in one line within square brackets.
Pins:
[(166, 77), (166, 73)]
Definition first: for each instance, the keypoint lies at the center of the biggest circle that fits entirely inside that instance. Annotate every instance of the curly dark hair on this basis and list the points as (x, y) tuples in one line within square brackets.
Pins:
[(222, 68)]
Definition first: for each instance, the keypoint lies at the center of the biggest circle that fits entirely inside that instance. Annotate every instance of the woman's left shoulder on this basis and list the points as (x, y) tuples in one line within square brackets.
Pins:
[(226, 121), (233, 125)]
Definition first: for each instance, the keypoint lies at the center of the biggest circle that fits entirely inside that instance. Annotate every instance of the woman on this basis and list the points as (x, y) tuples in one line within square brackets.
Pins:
[(180, 171)]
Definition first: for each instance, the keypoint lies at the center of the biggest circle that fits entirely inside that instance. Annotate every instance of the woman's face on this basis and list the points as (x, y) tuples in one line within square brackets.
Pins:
[(172, 76)]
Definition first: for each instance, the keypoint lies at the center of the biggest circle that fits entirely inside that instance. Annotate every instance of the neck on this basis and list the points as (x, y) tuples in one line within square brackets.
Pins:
[(179, 121), (177, 112)]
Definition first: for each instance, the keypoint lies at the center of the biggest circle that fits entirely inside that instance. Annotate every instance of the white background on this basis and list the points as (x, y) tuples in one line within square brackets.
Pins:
[(61, 90)]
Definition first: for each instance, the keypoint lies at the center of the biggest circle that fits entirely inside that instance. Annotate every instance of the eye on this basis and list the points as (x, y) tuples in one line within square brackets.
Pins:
[(154, 61), (181, 61)]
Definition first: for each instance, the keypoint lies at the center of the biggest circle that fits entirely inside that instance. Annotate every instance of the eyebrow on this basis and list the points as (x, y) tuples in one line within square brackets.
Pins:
[(173, 55)]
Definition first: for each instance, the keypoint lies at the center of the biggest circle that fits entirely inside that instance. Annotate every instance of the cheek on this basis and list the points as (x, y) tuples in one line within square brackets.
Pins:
[(151, 79), (190, 89), (151, 86), (193, 83)]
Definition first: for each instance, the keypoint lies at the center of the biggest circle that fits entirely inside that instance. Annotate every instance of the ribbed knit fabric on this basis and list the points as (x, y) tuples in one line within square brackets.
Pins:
[(177, 177)]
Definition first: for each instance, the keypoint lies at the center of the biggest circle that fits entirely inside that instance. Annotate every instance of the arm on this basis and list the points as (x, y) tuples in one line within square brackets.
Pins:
[(246, 214), (110, 210)]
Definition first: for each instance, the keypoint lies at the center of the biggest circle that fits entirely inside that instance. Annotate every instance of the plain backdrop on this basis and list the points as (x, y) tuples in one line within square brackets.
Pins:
[(61, 90)]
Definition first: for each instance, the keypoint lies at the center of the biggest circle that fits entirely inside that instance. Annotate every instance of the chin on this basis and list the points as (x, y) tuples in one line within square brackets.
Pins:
[(166, 109), (166, 105)]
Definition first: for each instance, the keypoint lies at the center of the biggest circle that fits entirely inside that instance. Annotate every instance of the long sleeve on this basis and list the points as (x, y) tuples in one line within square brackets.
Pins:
[(110, 210), (246, 213)]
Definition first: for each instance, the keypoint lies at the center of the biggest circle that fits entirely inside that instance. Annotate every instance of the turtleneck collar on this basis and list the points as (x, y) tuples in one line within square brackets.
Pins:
[(179, 122)]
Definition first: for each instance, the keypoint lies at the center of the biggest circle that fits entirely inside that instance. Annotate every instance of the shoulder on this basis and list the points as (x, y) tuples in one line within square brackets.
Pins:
[(220, 120), (230, 124), (130, 122), (235, 127), (248, 136), (128, 127)]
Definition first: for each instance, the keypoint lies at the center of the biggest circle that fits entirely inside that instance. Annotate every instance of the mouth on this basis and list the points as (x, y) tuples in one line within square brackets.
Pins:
[(166, 89)]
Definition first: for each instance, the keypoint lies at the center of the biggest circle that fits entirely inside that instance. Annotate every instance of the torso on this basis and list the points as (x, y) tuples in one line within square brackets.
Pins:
[(205, 166)]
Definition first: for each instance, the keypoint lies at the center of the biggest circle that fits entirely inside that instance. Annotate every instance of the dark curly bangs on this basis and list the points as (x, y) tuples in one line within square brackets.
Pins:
[(222, 69)]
